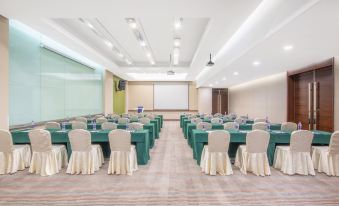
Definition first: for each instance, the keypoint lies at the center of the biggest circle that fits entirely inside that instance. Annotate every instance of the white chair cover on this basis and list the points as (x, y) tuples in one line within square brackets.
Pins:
[(81, 119), (134, 118), (123, 120), (208, 117), (326, 159), (12, 157), (289, 127), (109, 126), (140, 115), (196, 120), (150, 116), (135, 126), (252, 157), (144, 120), (53, 125), (214, 158), (240, 121), (101, 120), (85, 158), (296, 158), (123, 159), (217, 120), (259, 120), (98, 116), (217, 115), (47, 159), (115, 117), (260, 126), (79, 125), (231, 126), (204, 126), (125, 115)]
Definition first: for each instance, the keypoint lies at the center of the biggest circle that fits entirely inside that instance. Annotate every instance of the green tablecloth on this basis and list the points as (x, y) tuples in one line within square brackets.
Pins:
[(200, 138), (161, 118), (182, 118), (139, 138)]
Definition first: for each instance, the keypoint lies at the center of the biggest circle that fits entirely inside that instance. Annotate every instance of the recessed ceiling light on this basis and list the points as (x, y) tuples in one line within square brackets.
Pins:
[(224, 78), (90, 25), (178, 24), (256, 63), (152, 62), (288, 47), (216, 82), (210, 85), (108, 43), (177, 42), (120, 55), (132, 24), (148, 54), (142, 43), (235, 73)]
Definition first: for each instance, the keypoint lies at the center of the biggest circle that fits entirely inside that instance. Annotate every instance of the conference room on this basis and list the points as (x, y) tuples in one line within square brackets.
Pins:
[(186, 102)]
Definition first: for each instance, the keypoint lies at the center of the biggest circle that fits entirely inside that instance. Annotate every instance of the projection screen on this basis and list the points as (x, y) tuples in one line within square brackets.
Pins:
[(170, 96)]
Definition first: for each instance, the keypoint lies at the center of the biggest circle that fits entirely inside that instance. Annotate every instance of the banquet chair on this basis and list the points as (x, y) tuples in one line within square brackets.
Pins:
[(101, 120), (208, 117), (115, 117), (86, 158), (123, 120), (150, 116), (125, 115), (144, 120), (47, 159), (79, 125), (135, 126), (326, 158), (98, 116), (214, 158), (231, 126), (109, 126), (260, 126), (252, 157), (240, 121), (256, 120), (53, 125), (196, 120), (12, 157), (295, 158), (81, 119), (123, 159), (140, 115), (134, 118), (244, 117), (289, 127), (204, 126), (217, 120), (217, 115)]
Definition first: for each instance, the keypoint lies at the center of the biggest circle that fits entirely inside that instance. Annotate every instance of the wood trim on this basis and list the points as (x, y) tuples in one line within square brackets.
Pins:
[(320, 65)]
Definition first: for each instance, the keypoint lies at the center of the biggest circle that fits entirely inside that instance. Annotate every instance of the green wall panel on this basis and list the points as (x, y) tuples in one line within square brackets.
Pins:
[(119, 97)]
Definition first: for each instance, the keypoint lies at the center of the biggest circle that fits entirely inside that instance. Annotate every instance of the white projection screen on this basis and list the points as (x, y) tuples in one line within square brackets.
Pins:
[(171, 96)]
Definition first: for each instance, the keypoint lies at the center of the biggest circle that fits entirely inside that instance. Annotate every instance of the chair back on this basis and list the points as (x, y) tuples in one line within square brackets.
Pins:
[(134, 118), (6, 141), (240, 121), (115, 117), (259, 120), (120, 140), (334, 144), (204, 126), (81, 119), (196, 120), (150, 116), (218, 141), (123, 120), (231, 126), (217, 115), (260, 126), (301, 141), (257, 141), (98, 116), (244, 117), (217, 120), (135, 126), (140, 115), (208, 117), (101, 120), (109, 126), (226, 118), (53, 125), (79, 125), (40, 140), (80, 140), (126, 115), (289, 127), (144, 120)]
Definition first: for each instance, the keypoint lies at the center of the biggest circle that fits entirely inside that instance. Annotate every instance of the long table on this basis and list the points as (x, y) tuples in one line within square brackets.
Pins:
[(200, 138), (139, 138)]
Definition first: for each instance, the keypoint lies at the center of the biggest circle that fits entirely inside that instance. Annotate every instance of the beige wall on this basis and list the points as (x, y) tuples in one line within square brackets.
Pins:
[(141, 93), (205, 100), (108, 92), (336, 94), (261, 98), (4, 67)]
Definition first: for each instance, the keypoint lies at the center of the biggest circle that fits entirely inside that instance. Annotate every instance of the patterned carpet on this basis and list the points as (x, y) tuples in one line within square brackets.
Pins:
[(171, 178)]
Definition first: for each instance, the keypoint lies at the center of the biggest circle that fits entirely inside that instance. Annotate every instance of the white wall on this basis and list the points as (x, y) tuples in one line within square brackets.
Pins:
[(205, 100), (260, 98), (336, 94), (4, 67)]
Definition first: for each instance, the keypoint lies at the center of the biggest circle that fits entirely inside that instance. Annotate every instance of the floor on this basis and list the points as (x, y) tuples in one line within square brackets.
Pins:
[(171, 178)]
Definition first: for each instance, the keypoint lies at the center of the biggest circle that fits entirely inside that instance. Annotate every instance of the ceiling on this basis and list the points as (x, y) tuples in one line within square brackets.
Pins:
[(237, 33)]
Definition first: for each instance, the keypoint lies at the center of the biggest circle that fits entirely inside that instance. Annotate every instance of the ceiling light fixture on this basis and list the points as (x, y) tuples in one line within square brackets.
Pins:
[(178, 24), (108, 43), (131, 22), (224, 78), (256, 63), (216, 82), (210, 63), (210, 85), (142, 43), (176, 42), (235, 73), (288, 47)]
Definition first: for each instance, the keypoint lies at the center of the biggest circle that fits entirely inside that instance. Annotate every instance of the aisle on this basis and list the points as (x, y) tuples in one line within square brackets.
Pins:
[(171, 178)]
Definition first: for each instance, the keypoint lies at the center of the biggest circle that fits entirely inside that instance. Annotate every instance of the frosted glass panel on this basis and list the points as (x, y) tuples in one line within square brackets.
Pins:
[(45, 85)]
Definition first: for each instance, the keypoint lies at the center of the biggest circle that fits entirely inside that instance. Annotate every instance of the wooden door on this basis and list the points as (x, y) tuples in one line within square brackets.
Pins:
[(219, 101)]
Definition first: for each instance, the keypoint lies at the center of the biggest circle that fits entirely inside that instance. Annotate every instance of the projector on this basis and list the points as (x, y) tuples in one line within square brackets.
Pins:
[(170, 72)]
